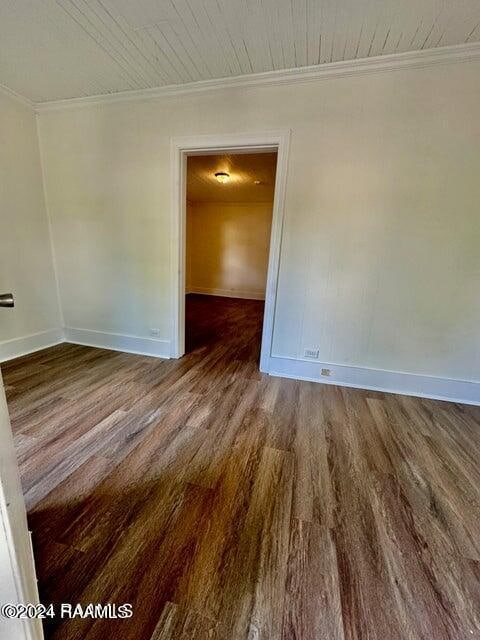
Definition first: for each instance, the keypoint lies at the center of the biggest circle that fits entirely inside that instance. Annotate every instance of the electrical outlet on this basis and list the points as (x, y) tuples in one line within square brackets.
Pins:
[(326, 372), (155, 332), (312, 353)]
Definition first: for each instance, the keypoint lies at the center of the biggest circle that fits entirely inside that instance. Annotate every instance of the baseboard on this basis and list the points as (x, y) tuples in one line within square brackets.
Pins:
[(409, 384), (119, 342), (228, 293), (10, 349), (463, 391)]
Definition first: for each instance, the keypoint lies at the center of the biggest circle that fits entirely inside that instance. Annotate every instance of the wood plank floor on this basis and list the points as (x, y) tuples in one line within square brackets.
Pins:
[(224, 504)]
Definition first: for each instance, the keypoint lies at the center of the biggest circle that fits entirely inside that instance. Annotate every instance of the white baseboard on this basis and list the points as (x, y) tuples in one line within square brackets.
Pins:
[(119, 342), (228, 293), (17, 347), (466, 392), (409, 384)]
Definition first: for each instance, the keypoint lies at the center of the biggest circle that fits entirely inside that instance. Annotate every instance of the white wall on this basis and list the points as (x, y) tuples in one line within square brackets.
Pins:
[(26, 266), (227, 248), (380, 260)]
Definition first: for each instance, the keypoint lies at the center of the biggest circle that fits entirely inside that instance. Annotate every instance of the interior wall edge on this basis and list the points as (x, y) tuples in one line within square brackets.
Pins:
[(10, 93), (48, 215), (409, 384)]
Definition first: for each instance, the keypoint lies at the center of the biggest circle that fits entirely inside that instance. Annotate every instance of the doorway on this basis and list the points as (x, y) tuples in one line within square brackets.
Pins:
[(227, 145), (229, 206)]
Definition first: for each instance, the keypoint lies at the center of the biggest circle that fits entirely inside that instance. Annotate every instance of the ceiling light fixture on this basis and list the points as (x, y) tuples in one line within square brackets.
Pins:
[(222, 177)]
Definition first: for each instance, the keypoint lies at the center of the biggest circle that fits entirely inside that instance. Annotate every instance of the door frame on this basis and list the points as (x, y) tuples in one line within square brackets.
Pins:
[(180, 148), (17, 565)]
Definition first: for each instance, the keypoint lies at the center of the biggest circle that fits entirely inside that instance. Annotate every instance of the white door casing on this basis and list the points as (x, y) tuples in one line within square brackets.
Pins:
[(180, 148), (18, 583)]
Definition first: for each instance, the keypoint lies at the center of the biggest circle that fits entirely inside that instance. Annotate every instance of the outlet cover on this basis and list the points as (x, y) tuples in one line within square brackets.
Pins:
[(155, 332), (326, 372)]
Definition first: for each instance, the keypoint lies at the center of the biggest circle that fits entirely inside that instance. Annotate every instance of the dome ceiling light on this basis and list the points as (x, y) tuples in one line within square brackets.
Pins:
[(222, 177)]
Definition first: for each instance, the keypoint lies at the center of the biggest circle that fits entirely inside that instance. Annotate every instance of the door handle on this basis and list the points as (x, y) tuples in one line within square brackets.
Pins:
[(6, 300)]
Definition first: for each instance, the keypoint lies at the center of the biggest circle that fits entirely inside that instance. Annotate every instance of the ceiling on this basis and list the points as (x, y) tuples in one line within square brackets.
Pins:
[(244, 169), (57, 49)]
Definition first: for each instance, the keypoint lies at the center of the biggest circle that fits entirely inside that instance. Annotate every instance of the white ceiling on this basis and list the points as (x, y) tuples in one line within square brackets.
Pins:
[(244, 169), (55, 49)]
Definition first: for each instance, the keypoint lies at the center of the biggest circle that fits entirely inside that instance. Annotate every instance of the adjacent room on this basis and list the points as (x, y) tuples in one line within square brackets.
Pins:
[(229, 206), (240, 320)]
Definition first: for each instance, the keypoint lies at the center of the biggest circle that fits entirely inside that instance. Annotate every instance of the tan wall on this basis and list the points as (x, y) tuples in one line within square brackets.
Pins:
[(227, 248)]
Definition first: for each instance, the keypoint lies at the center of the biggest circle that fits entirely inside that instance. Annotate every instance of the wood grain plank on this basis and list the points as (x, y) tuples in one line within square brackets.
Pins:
[(312, 603), (225, 504)]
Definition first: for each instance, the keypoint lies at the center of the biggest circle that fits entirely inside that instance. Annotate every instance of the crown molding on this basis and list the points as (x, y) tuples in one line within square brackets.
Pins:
[(377, 64), (16, 96)]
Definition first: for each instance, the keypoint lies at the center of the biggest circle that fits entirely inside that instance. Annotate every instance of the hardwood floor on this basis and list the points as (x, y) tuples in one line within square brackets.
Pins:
[(225, 504)]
